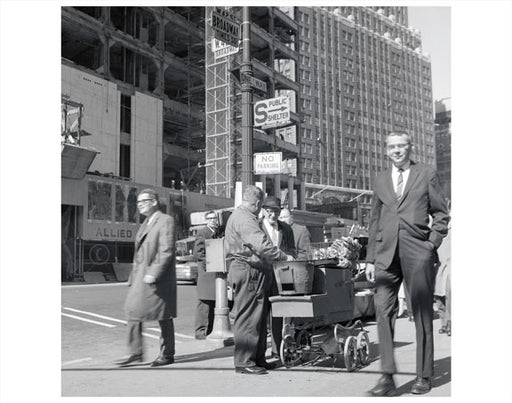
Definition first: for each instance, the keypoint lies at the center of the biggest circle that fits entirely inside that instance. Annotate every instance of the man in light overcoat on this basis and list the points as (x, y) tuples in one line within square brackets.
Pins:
[(152, 283)]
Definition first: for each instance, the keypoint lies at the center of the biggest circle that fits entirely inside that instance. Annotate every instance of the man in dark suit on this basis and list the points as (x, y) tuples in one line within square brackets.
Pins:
[(300, 234), (281, 235), (402, 246), (205, 281), (248, 253), (152, 283)]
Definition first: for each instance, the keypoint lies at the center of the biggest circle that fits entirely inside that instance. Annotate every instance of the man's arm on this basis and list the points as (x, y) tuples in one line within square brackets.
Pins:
[(373, 227), (166, 249), (438, 210), (255, 238)]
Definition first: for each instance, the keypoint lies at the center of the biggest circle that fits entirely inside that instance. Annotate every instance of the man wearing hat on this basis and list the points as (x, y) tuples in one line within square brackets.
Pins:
[(281, 235)]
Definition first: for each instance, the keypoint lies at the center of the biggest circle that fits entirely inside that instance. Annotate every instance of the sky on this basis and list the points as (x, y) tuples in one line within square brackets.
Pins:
[(434, 24)]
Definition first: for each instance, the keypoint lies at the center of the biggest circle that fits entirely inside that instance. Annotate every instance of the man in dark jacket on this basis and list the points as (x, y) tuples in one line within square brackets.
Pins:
[(205, 281), (281, 235), (248, 253), (152, 283), (301, 234), (402, 246)]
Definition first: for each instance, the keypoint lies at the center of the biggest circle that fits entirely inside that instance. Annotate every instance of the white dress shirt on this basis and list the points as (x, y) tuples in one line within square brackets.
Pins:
[(272, 231)]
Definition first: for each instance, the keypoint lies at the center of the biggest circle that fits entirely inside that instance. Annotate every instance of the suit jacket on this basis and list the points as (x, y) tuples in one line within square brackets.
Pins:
[(154, 255), (286, 240), (422, 197), (302, 241), (205, 281)]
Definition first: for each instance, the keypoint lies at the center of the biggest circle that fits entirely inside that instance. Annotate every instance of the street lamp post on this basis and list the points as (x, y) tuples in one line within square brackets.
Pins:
[(247, 102)]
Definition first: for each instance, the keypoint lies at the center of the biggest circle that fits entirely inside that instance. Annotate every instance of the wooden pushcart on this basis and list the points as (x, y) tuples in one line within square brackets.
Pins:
[(318, 323)]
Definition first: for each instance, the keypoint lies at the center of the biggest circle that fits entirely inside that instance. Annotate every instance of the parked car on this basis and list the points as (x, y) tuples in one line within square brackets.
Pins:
[(186, 266)]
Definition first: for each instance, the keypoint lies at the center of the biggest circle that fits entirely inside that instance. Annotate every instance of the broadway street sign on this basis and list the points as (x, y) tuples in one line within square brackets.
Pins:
[(225, 26)]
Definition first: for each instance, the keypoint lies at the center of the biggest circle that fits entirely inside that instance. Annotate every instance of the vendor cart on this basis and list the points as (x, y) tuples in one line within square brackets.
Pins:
[(316, 300)]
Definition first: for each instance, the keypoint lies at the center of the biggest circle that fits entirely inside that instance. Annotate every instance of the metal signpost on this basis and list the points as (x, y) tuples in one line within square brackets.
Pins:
[(272, 112)]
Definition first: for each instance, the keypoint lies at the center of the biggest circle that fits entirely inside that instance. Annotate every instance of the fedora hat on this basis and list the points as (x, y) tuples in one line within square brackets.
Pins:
[(272, 202)]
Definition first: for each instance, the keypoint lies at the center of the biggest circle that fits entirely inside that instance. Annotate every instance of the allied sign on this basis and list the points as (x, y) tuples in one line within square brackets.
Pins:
[(272, 112), (225, 26), (268, 163), (254, 82), (221, 49)]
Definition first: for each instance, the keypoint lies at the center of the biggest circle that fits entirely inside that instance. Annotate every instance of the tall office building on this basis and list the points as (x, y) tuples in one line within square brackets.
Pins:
[(363, 74), (444, 144)]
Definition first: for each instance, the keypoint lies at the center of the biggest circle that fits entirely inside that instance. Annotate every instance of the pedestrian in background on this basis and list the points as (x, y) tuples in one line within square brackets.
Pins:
[(301, 235), (152, 282), (205, 308), (442, 292), (249, 253), (402, 246), (281, 235)]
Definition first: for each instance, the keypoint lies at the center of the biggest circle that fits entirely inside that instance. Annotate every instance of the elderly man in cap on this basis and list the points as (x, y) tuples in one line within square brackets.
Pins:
[(281, 235)]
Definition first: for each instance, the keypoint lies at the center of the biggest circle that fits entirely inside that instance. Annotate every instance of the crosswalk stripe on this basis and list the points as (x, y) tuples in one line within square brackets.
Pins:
[(95, 315), (87, 320), (116, 320)]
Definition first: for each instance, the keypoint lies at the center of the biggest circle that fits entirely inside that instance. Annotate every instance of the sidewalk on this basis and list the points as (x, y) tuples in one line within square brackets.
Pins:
[(201, 369)]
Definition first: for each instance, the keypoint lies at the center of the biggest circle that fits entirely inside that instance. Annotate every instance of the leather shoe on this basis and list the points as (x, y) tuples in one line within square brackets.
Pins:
[(385, 386), (268, 365), (255, 370), (162, 361), (421, 386), (128, 359)]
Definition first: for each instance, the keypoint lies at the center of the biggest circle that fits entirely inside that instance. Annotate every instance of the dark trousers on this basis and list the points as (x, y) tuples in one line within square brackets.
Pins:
[(413, 263), (250, 308), (166, 337), (205, 314)]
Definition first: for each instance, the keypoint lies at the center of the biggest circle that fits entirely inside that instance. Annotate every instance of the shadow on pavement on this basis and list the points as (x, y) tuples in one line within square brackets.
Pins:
[(442, 376)]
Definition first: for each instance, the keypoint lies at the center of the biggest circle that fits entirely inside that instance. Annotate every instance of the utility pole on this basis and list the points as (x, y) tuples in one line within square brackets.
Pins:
[(247, 102)]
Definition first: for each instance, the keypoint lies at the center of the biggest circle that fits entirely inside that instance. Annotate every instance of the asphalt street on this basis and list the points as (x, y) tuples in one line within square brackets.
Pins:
[(94, 335)]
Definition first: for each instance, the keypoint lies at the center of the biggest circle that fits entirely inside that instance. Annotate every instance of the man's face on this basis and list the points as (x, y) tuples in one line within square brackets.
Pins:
[(271, 213), (398, 149), (146, 204), (212, 221)]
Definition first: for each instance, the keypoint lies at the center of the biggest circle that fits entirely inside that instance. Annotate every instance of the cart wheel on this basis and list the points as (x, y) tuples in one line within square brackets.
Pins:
[(363, 347), (350, 353), (289, 353)]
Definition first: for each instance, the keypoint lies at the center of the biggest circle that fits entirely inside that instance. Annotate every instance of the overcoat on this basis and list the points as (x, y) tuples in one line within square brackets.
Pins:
[(154, 255), (205, 280)]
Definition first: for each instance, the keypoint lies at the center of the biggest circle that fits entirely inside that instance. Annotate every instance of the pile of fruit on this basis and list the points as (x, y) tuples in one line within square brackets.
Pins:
[(345, 250)]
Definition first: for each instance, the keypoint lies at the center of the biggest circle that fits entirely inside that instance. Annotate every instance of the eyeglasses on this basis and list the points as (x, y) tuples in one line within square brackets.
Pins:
[(271, 210), (144, 201)]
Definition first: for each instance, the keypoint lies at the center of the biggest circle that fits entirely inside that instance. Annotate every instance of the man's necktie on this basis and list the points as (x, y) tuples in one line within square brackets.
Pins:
[(399, 184)]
